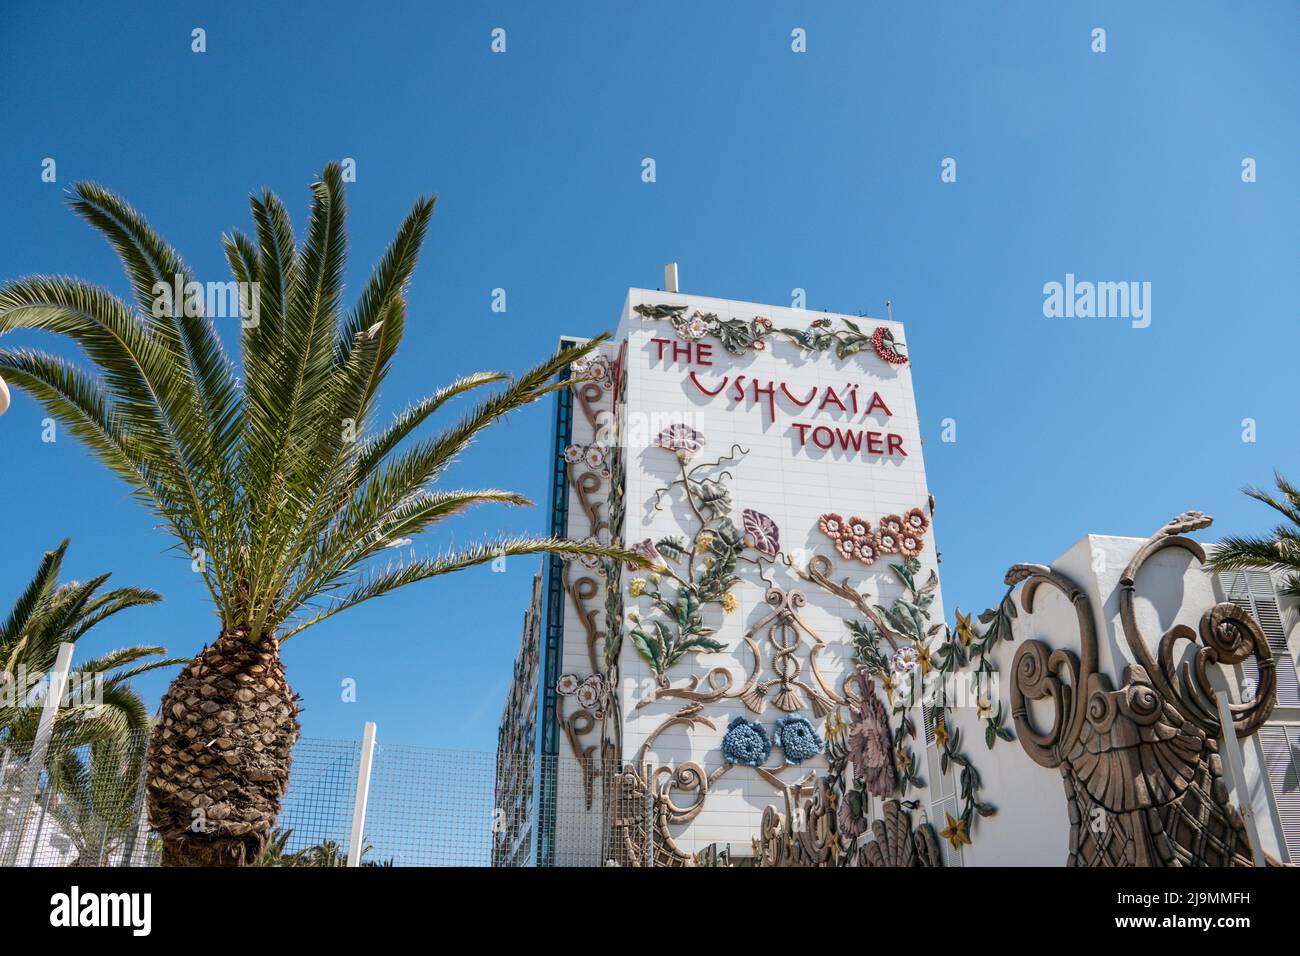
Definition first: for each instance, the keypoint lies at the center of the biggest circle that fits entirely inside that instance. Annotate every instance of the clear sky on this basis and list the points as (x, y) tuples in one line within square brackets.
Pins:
[(775, 170)]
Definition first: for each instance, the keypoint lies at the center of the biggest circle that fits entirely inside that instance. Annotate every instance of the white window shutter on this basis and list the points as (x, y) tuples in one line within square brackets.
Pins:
[(1281, 745), (943, 790), (1253, 592)]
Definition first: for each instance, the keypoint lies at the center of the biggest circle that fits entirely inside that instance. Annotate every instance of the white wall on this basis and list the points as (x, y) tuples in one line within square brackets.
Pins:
[(1031, 827)]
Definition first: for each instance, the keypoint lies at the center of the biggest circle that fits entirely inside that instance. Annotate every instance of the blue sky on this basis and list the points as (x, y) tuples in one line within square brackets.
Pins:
[(775, 170)]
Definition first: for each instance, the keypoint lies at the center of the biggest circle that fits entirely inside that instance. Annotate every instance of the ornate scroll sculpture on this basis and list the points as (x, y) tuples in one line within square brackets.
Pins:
[(644, 810), (785, 632), (592, 378), (1143, 777), (808, 838), (799, 837)]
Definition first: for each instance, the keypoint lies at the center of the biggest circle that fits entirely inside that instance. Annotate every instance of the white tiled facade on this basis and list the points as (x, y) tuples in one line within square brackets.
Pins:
[(774, 474)]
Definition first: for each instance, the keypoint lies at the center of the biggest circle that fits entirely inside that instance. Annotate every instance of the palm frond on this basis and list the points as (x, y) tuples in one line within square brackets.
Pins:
[(401, 573), (80, 403), (103, 705), (113, 602), (37, 591), (365, 531), (1277, 553), (155, 268), (152, 395)]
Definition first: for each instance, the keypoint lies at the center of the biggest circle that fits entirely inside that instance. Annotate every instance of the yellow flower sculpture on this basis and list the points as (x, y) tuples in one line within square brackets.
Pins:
[(955, 833), (728, 602), (965, 630), (637, 587)]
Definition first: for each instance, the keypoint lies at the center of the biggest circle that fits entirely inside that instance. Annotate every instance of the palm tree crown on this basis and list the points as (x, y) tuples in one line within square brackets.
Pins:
[(1278, 551), (275, 486), (47, 614)]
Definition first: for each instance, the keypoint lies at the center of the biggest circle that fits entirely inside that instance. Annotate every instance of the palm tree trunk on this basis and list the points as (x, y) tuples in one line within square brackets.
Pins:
[(219, 758)]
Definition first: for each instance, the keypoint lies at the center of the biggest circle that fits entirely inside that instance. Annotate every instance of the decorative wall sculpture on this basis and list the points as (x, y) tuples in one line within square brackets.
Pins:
[(589, 468), (694, 571), (870, 743), (644, 810), (797, 738), (801, 836), (739, 336), (896, 843), (856, 540), (868, 759), (785, 633), (1143, 778), (814, 836), (913, 659), (746, 742), (693, 574)]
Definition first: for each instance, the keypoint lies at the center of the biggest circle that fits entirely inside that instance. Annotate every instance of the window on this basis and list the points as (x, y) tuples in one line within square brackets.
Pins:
[(943, 787), (1279, 739), (1281, 745), (1253, 591)]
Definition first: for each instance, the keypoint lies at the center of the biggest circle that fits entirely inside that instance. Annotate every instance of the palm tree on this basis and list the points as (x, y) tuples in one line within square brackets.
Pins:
[(274, 485), (276, 851), (46, 615), (96, 746), (1278, 551), (328, 853)]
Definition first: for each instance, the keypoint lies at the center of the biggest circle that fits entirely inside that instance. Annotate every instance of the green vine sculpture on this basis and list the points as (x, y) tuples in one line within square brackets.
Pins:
[(964, 645), (692, 573), (915, 660), (906, 628)]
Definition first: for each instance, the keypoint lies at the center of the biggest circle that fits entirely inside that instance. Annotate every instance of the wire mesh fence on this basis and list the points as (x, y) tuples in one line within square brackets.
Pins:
[(75, 805), (83, 805)]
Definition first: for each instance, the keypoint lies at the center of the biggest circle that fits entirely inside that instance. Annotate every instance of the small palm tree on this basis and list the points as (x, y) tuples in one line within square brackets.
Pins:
[(46, 615), (276, 851), (1278, 551), (96, 789), (273, 484), (97, 744)]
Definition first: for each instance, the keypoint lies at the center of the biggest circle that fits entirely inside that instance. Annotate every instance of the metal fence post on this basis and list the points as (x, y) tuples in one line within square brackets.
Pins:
[(362, 795), (31, 773)]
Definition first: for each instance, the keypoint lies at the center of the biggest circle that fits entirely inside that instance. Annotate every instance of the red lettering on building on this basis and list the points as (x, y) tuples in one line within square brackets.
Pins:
[(830, 396), (694, 378)]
